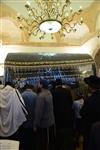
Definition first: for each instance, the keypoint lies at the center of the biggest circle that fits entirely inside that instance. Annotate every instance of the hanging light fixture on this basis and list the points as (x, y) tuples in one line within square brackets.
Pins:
[(49, 17)]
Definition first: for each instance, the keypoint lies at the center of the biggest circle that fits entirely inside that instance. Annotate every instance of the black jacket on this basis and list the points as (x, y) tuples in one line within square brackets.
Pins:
[(94, 139), (90, 111), (62, 101)]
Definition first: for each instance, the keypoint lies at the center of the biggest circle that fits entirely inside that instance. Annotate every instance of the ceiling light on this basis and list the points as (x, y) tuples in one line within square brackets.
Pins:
[(50, 26), (49, 17)]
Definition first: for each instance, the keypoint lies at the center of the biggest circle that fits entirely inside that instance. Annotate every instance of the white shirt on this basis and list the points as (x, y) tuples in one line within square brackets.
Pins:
[(77, 105)]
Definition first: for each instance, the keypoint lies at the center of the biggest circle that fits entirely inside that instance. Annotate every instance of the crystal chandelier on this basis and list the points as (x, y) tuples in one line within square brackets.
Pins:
[(49, 17)]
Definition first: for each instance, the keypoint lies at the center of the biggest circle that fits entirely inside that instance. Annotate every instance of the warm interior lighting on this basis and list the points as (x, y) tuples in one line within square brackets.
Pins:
[(50, 17), (50, 26)]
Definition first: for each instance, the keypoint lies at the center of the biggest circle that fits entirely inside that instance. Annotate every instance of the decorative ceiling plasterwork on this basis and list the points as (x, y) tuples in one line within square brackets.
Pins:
[(86, 42), (9, 31), (89, 15)]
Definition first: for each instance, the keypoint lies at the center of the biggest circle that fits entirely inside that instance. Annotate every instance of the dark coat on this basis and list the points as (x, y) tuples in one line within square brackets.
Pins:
[(90, 111), (62, 101), (94, 140)]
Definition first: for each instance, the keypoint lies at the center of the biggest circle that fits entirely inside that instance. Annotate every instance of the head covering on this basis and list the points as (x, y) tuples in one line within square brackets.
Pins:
[(11, 111), (93, 81), (58, 82), (44, 83)]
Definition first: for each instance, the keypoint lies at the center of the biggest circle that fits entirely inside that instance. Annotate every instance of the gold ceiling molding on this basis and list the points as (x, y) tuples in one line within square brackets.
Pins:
[(75, 42), (9, 32), (43, 44), (7, 11), (6, 37), (10, 14), (90, 15), (38, 44)]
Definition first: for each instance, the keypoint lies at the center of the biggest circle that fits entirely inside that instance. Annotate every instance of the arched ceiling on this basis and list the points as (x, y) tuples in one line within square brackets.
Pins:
[(85, 40)]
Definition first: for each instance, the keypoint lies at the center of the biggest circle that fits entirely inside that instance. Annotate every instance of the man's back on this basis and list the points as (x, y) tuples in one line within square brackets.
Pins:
[(94, 140), (30, 99), (44, 116), (62, 100)]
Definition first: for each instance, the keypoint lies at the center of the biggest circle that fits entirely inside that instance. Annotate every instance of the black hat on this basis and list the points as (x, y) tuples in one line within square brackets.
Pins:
[(58, 81), (93, 81)]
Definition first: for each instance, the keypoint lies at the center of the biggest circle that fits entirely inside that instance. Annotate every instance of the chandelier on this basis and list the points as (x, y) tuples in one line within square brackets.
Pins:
[(49, 17)]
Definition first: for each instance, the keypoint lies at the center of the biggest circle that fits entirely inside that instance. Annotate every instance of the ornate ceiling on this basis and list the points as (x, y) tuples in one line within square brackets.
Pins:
[(84, 40)]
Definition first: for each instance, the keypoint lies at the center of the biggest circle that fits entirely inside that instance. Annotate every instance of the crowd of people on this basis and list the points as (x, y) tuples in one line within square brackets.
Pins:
[(44, 118)]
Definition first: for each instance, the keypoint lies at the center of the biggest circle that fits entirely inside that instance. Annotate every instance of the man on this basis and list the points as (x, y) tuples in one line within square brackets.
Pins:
[(12, 113), (90, 111), (77, 105), (44, 118), (29, 97), (62, 100)]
